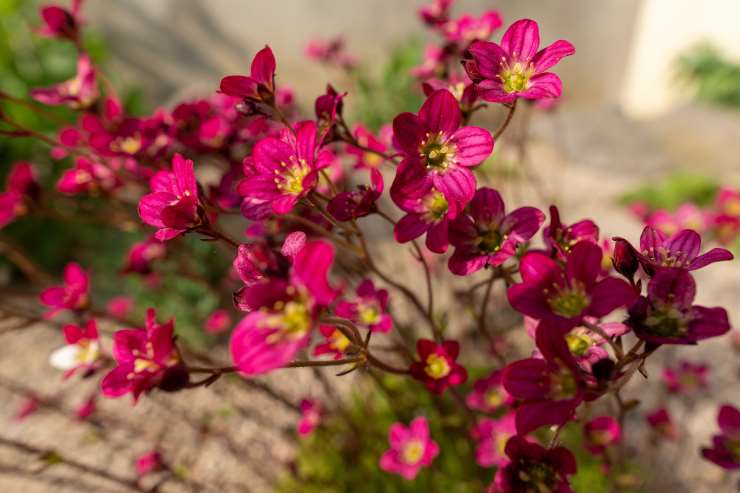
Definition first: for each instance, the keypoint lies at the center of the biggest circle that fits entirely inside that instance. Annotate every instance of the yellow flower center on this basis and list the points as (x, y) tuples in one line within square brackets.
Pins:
[(569, 301), (289, 178), (578, 344), (369, 315), (437, 366), (339, 341), (436, 205), (515, 78), (494, 398), (413, 451), (436, 152)]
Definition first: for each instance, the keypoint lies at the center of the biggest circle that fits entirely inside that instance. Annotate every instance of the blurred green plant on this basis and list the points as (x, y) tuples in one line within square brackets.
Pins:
[(674, 191), (713, 77), (342, 454)]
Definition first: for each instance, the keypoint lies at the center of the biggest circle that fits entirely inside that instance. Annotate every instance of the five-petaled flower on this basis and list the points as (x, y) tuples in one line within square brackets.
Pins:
[(435, 142), (73, 295), (173, 205), (488, 394), (725, 450), (515, 69), (533, 468), (599, 433), (259, 86), (667, 316), (487, 236), (369, 310), (81, 91), (437, 367), (491, 436), (60, 22), (145, 358), (411, 448)]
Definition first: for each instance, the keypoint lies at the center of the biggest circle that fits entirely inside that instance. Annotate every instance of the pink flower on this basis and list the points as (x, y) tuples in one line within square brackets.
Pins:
[(434, 142), (427, 209), (142, 254), (564, 296), (487, 236), (29, 406), (336, 342), (369, 310), (254, 262), (60, 22), (260, 85), (725, 450), (599, 433), (411, 448), (87, 177), (560, 238), (21, 187), (145, 358), (310, 417), (346, 206), (86, 409), (488, 394), (468, 28), (331, 52), (149, 463), (686, 378), (662, 424), (82, 351), (73, 295), (284, 170), (119, 307), (680, 250), (435, 13), (534, 468), (550, 388), (366, 159), (173, 204), (437, 367), (515, 69), (667, 314), (78, 92), (433, 63), (492, 436), (217, 322), (283, 312)]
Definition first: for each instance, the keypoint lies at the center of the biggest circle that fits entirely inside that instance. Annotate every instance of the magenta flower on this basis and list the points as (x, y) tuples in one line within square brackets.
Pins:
[(285, 169), (686, 378), (141, 256), (336, 342), (680, 250), (488, 394), (468, 28), (283, 312), (487, 236), (87, 408), (346, 206), (60, 22), (534, 468), (491, 436), (73, 295), (87, 177), (437, 367), (364, 158), (427, 209), (564, 296), (260, 85), (145, 359), (255, 261), (666, 315), (119, 307), (725, 450), (369, 310), (515, 69), (550, 388), (436, 13), (600, 433), (560, 238), (411, 448), (661, 423), (434, 142), (218, 321), (78, 92), (20, 189), (432, 64), (173, 204), (311, 412), (148, 463), (82, 351)]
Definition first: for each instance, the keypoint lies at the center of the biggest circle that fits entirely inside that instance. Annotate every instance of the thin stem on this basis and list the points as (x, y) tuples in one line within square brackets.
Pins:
[(503, 126)]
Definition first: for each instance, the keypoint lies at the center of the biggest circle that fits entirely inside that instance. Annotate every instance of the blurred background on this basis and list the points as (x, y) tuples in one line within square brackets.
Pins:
[(650, 115)]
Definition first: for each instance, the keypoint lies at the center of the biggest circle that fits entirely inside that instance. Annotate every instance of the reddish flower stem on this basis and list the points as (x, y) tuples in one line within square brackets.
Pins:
[(506, 122)]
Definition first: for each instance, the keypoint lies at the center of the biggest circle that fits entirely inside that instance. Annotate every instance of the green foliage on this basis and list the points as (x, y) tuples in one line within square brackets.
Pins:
[(711, 75), (674, 191), (380, 97), (342, 454)]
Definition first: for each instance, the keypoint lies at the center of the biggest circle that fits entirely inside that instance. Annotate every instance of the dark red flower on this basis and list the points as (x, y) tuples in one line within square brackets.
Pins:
[(437, 367), (533, 468)]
